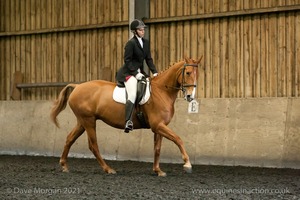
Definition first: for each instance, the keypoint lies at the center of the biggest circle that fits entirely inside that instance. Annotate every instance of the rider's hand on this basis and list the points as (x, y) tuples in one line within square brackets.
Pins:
[(139, 76), (155, 74)]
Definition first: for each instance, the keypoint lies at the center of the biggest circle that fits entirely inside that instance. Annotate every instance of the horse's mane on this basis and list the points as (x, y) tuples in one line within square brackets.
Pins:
[(170, 65)]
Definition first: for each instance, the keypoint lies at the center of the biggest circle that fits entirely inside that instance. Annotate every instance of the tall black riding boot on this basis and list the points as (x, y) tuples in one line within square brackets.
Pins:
[(128, 116)]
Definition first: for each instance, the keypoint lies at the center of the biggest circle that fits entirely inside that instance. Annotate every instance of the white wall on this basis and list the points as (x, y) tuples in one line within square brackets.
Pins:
[(261, 132)]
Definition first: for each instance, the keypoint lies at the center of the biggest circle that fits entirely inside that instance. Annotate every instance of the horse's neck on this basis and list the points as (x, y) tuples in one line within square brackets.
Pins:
[(169, 77)]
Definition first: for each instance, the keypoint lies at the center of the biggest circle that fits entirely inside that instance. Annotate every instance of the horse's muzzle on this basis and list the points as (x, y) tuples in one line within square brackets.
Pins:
[(189, 98)]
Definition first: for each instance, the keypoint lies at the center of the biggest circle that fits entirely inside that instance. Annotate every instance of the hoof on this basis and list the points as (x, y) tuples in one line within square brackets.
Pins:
[(162, 174), (65, 170), (110, 171), (188, 168), (159, 172)]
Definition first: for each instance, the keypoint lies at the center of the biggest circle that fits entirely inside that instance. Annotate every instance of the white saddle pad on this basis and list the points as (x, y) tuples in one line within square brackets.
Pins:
[(119, 94)]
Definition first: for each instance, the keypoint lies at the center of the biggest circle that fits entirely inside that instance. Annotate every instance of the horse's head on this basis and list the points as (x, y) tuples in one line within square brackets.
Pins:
[(188, 78)]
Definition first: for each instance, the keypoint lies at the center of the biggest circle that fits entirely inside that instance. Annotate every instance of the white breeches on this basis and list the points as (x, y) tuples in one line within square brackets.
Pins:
[(131, 88)]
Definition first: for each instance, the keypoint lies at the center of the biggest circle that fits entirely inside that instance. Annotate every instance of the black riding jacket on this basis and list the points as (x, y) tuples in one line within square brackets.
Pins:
[(134, 57)]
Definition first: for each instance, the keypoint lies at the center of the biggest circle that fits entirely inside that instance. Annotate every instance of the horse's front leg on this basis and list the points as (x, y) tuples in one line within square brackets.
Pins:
[(166, 132), (157, 147)]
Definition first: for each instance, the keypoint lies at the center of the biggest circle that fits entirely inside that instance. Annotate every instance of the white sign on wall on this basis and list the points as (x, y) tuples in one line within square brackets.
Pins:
[(193, 107)]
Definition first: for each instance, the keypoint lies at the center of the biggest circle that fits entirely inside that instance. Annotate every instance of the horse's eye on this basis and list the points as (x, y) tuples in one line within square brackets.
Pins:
[(188, 73)]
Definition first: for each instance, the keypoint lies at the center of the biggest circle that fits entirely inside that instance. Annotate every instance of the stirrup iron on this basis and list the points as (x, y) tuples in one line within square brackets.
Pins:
[(128, 126)]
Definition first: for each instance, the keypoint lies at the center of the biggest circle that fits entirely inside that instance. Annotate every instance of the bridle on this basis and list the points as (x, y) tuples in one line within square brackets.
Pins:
[(183, 86)]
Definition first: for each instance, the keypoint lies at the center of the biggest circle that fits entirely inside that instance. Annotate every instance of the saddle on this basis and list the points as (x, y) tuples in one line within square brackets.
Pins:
[(143, 92)]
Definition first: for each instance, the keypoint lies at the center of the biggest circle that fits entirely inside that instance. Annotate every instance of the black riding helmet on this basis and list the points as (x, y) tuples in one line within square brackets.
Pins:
[(136, 24)]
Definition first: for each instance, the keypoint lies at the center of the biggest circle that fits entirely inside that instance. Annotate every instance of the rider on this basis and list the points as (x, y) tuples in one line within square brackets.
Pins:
[(137, 49)]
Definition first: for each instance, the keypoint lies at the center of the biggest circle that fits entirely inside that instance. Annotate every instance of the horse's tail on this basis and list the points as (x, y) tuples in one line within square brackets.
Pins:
[(60, 103)]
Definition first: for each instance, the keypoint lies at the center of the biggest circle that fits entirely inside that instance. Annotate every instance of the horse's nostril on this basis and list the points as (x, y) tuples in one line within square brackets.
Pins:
[(189, 98)]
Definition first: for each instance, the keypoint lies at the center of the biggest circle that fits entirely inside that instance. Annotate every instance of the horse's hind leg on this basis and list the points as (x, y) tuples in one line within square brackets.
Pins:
[(90, 127), (71, 138)]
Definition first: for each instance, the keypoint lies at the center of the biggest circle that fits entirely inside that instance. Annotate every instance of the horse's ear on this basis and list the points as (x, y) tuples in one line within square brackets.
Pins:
[(198, 61), (186, 58)]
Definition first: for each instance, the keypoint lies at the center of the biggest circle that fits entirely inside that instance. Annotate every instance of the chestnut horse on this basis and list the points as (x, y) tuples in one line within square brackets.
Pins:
[(93, 100)]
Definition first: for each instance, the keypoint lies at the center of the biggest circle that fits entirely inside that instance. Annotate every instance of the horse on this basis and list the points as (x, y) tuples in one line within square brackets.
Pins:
[(92, 100)]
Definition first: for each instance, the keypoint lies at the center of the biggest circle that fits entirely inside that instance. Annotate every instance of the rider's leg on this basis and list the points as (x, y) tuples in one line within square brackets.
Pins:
[(131, 88)]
